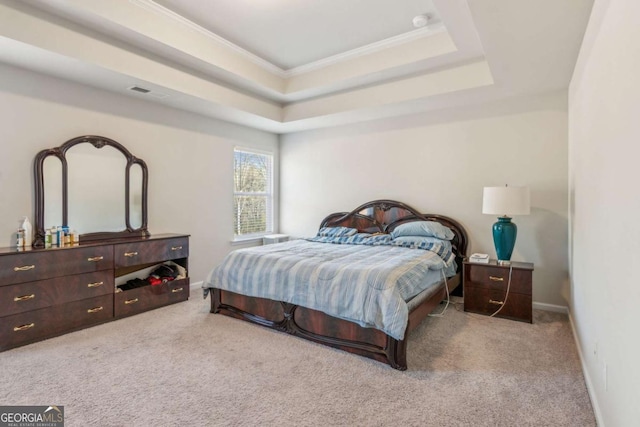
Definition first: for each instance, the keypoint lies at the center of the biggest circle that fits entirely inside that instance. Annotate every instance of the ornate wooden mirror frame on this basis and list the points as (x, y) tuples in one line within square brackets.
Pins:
[(60, 152)]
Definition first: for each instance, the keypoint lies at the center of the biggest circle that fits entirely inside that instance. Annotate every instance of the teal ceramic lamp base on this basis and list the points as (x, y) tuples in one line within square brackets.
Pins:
[(504, 238)]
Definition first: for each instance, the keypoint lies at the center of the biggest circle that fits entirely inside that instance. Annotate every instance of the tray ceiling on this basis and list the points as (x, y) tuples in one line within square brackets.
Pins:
[(280, 66)]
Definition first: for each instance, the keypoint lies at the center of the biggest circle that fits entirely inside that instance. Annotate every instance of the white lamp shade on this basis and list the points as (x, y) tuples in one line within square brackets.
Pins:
[(506, 201)]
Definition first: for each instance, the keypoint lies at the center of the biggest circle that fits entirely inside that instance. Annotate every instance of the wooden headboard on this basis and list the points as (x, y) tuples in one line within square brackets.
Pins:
[(382, 216)]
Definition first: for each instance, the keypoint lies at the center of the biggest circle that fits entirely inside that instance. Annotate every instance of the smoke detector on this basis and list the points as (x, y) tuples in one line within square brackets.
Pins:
[(421, 21)]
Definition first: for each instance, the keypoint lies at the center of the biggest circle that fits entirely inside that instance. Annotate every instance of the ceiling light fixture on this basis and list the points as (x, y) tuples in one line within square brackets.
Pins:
[(421, 21)]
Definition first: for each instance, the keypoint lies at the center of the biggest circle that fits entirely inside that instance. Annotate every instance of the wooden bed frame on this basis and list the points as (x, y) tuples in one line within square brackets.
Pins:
[(376, 216)]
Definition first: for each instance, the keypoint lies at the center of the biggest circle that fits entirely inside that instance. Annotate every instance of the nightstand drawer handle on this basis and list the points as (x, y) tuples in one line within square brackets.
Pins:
[(23, 327), (95, 259), (130, 254), (131, 301), (496, 279), (491, 301), (95, 284), (176, 248), (25, 268), (24, 297), (176, 290), (95, 310)]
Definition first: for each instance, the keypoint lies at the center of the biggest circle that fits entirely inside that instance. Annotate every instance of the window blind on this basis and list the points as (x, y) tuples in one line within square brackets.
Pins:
[(252, 193)]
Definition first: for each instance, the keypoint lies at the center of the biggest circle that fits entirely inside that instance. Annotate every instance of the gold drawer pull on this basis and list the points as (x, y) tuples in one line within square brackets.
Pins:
[(24, 297), (23, 327), (177, 290), (95, 258), (24, 268), (130, 254), (95, 284), (176, 248), (131, 301), (496, 302), (496, 279), (95, 310)]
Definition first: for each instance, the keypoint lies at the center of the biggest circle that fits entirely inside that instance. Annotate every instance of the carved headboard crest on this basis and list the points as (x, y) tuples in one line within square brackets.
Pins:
[(382, 216)]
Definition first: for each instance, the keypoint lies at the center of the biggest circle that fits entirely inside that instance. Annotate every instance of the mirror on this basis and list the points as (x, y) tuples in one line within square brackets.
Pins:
[(94, 186)]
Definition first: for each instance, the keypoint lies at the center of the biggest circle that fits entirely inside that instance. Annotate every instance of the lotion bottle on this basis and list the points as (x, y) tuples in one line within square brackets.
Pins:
[(28, 232)]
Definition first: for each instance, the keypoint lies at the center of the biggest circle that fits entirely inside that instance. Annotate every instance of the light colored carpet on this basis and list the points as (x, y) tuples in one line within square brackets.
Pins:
[(182, 366)]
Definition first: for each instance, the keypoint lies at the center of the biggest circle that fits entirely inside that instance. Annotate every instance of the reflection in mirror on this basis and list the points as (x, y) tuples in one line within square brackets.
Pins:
[(52, 173), (96, 182), (135, 196)]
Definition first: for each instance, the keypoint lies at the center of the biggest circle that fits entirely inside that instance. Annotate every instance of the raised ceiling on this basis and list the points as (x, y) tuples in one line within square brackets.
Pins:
[(292, 33), (287, 65)]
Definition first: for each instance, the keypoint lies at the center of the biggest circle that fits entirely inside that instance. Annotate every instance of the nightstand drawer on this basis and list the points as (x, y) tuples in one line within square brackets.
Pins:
[(497, 278), (487, 301)]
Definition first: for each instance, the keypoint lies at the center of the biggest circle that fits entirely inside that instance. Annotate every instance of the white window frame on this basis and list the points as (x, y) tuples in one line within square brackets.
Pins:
[(269, 195)]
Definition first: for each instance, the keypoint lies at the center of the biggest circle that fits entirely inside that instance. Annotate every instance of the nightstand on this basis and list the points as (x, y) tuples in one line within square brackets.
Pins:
[(485, 287)]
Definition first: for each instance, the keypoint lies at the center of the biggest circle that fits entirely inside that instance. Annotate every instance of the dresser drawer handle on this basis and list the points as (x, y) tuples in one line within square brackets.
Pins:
[(177, 290), (496, 279), (95, 258), (95, 284), (95, 310), (24, 297), (176, 248), (24, 268), (131, 301), (130, 254), (491, 301), (23, 327)]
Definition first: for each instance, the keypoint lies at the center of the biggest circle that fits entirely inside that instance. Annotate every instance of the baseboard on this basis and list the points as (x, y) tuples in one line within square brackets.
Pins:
[(550, 307), (196, 285), (587, 377)]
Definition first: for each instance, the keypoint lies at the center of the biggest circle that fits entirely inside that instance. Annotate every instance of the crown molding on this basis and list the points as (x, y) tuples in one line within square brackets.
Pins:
[(367, 49), (432, 29), (152, 6)]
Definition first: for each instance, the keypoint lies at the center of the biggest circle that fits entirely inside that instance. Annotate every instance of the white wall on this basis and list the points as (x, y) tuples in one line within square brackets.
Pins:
[(604, 147), (439, 162), (190, 157)]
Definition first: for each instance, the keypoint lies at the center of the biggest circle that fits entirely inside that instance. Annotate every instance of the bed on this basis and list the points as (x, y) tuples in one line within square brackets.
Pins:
[(360, 333)]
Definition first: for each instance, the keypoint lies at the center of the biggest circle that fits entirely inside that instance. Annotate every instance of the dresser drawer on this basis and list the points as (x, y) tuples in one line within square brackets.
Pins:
[(149, 297), (497, 278), (487, 301), (45, 293), (37, 265), (130, 254), (25, 328)]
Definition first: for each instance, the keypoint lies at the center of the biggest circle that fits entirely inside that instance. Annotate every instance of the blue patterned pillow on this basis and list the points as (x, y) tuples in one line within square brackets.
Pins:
[(418, 240), (337, 231), (423, 228)]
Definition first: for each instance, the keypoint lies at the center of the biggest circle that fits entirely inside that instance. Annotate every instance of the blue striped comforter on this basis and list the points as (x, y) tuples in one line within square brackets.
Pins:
[(368, 285)]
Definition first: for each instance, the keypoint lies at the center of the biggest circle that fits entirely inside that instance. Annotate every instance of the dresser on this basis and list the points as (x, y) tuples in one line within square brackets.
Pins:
[(49, 292), (485, 289)]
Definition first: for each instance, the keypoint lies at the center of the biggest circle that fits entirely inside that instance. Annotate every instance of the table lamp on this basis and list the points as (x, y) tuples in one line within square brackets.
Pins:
[(505, 201)]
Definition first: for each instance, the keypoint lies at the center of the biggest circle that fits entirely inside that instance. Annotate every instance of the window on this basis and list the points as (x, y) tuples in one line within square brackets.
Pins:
[(252, 193)]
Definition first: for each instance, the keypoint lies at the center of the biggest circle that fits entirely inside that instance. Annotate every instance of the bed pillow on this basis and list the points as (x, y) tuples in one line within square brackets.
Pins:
[(423, 228), (417, 240), (337, 231)]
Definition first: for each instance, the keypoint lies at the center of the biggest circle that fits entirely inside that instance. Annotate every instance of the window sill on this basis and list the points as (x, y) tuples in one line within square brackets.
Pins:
[(243, 241)]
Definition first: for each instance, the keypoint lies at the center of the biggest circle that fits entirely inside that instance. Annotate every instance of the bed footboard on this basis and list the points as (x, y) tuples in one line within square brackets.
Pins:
[(320, 327)]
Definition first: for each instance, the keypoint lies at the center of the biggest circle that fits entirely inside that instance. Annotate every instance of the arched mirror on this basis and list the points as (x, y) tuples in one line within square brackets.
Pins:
[(92, 185)]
